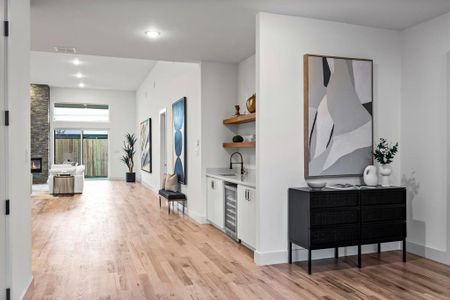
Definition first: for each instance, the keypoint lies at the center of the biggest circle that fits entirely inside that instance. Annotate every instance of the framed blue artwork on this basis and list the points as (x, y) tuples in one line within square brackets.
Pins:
[(179, 139), (146, 145)]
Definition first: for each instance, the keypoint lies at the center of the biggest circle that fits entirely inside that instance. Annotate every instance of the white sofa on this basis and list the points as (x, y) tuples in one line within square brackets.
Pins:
[(76, 171)]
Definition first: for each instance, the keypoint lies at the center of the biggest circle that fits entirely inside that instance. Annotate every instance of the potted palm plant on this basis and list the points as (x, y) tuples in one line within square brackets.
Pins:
[(128, 157)]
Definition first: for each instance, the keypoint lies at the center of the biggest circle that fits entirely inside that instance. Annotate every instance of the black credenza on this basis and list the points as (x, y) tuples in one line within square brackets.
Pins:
[(332, 218)]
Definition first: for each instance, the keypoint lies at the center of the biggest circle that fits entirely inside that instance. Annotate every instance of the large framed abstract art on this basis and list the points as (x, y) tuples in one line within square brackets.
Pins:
[(338, 99), (146, 145), (179, 139)]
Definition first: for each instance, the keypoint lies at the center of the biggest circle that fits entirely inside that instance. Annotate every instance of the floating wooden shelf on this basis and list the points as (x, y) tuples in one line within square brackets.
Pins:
[(240, 119), (240, 145)]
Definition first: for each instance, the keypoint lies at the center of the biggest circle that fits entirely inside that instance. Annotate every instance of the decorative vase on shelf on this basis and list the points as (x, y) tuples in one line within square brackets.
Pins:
[(251, 104), (385, 172), (237, 108), (370, 176)]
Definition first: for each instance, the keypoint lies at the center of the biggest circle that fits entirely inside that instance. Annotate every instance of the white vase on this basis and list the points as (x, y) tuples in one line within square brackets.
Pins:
[(385, 172), (370, 176)]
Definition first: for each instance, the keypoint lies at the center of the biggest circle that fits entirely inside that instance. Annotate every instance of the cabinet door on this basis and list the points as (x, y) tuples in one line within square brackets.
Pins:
[(220, 204), (251, 222), (210, 195), (246, 215), (215, 202)]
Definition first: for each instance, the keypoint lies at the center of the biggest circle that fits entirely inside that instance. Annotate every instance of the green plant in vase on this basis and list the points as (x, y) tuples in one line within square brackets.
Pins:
[(384, 154), (128, 157)]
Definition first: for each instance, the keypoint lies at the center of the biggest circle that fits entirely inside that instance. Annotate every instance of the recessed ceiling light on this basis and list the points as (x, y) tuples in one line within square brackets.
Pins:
[(76, 61), (79, 75), (152, 34), (81, 85)]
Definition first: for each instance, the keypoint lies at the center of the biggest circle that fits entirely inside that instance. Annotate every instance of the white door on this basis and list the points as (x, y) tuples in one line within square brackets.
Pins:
[(215, 202), (162, 143), (246, 225), (3, 159)]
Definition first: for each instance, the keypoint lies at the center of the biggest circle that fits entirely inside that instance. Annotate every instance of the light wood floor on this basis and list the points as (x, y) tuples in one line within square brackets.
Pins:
[(114, 242)]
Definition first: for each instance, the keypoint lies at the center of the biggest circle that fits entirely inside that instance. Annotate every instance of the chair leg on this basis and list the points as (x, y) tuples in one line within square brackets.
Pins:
[(159, 201), (168, 206), (184, 203)]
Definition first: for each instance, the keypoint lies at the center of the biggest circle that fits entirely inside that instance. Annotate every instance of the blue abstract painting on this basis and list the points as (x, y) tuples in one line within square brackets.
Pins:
[(179, 139)]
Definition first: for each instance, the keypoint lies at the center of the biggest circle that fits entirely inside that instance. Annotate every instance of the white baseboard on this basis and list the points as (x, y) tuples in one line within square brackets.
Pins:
[(27, 287), (300, 254), (198, 217), (149, 187), (428, 252)]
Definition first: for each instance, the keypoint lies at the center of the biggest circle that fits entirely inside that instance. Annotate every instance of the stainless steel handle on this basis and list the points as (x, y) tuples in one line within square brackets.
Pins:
[(212, 184)]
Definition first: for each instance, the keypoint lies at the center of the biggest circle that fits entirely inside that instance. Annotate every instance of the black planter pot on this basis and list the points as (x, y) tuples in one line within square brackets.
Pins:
[(131, 177)]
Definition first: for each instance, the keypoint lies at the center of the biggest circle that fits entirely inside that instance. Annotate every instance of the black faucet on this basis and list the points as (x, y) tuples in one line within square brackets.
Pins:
[(234, 163)]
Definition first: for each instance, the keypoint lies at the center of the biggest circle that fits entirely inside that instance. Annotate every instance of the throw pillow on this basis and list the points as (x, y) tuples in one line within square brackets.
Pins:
[(163, 181), (172, 183)]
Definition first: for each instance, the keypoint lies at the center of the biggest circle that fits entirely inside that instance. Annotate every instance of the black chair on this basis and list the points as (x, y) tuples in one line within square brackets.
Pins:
[(172, 197)]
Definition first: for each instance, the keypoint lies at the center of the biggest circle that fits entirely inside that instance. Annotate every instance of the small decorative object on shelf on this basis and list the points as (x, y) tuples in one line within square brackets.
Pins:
[(384, 154), (251, 104), (238, 139), (370, 176), (237, 108)]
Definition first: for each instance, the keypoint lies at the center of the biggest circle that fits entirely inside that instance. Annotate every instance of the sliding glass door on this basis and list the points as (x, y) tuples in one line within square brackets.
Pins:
[(95, 153), (83, 147)]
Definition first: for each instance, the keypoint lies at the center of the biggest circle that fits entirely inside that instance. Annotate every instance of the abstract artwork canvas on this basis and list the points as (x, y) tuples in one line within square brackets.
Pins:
[(338, 115), (146, 145), (179, 139)]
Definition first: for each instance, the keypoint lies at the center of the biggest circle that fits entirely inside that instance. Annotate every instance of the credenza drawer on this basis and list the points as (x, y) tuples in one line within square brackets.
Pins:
[(393, 231), (329, 237), (334, 199), (383, 197), (334, 216), (378, 213)]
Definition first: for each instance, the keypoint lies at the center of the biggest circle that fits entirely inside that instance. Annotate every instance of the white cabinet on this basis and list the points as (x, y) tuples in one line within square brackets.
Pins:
[(246, 225), (215, 202)]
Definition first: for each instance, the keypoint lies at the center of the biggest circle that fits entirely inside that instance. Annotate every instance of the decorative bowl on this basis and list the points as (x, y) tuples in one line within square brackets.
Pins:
[(316, 185)]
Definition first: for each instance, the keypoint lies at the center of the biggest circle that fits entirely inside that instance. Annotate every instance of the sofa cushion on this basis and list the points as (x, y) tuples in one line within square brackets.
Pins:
[(79, 170)]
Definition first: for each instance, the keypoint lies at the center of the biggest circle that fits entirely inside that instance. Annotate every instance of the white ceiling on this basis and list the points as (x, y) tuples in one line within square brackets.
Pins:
[(57, 70), (193, 30)]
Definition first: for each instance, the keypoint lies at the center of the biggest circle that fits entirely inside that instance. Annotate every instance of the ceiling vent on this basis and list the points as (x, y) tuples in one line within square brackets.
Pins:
[(65, 50)]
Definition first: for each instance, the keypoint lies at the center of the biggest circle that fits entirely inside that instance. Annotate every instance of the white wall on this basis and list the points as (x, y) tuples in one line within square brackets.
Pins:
[(166, 83), (219, 95), (425, 136), (281, 43), (122, 114), (19, 148), (246, 88)]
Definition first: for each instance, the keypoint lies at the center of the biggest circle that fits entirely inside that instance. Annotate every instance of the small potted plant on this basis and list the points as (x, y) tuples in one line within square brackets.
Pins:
[(384, 154), (128, 157)]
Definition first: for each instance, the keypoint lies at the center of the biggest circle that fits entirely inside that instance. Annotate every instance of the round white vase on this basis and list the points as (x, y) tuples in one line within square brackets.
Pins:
[(385, 172), (370, 176)]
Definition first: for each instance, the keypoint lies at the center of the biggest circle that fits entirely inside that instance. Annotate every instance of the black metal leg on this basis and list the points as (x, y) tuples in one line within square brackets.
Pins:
[(336, 253), (404, 250), (184, 203), (168, 206), (290, 253), (309, 261), (359, 256), (379, 248), (159, 201)]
